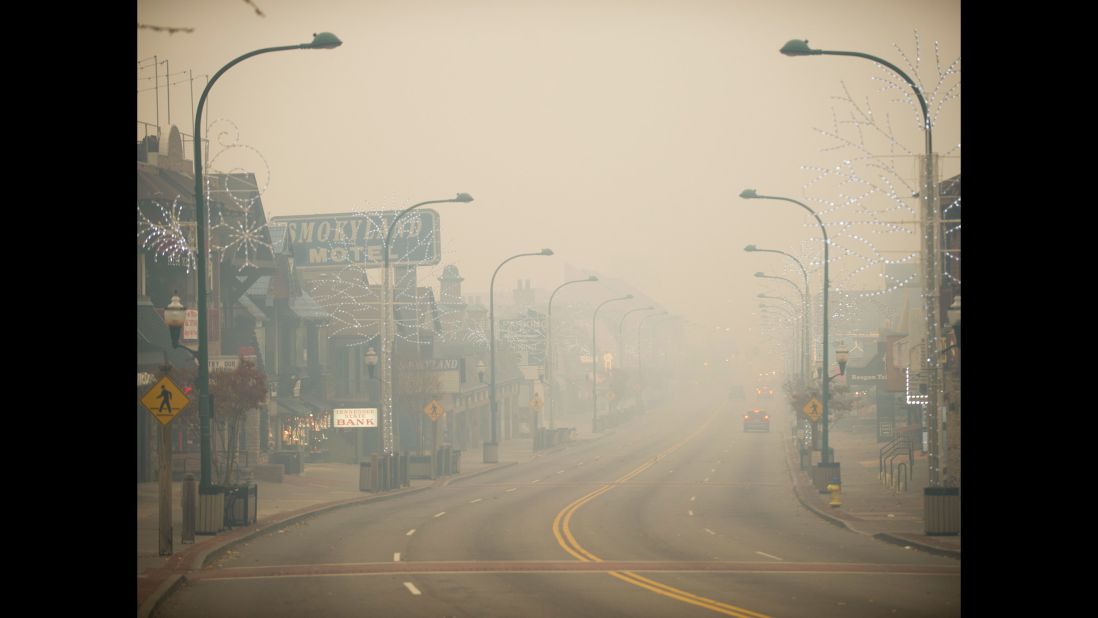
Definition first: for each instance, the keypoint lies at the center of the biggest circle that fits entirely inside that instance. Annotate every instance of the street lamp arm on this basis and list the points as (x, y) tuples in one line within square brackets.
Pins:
[(751, 194), (795, 287), (798, 262), (461, 197)]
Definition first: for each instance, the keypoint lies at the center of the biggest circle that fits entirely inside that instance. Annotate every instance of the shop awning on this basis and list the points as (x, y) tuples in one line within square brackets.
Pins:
[(318, 405), (292, 406)]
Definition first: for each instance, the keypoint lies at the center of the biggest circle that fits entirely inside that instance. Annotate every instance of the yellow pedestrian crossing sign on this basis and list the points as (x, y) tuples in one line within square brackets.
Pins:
[(813, 409), (164, 400), (434, 410)]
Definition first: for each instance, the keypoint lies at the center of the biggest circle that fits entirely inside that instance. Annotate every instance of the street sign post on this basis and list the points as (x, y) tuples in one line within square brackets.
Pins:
[(164, 400), (433, 410), (813, 409)]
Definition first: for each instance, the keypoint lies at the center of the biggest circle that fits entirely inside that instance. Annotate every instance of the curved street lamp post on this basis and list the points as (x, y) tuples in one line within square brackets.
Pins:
[(931, 227), (549, 359), (491, 449), (640, 367), (388, 343), (595, 363), (621, 331), (804, 318), (806, 368), (751, 194), (324, 40)]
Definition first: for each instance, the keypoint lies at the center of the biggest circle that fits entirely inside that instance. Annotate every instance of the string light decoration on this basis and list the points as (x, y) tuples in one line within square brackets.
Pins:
[(355, 304), (238, 227), (167, 236), (869, 197), (241, 230)]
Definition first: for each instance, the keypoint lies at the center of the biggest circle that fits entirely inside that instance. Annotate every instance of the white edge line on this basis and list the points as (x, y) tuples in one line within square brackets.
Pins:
[(762, 553)]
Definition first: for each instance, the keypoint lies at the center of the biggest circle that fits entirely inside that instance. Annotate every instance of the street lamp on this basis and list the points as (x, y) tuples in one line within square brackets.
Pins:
[(781, 315), (621, 331), (751, 194), (549, 365), (807, 345), (491, 449), (387, 342), (371, 361), (804, 315), (595, 364), (324, 40), (175, 315), (931, 223), (841, 356), (640, 371)]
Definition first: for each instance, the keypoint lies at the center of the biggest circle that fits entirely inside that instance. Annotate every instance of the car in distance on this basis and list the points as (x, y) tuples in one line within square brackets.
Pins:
[(756, 420)]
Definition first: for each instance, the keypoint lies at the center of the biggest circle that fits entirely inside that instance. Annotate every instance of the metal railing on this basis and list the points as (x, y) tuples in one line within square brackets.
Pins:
[(896, 448)]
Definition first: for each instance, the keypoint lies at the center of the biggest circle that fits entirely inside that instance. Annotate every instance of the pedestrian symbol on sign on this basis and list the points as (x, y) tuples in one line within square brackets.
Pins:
[(813, 409)]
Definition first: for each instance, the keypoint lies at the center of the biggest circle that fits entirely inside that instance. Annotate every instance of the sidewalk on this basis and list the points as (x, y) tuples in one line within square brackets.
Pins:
[(868, 506), (322, 486)]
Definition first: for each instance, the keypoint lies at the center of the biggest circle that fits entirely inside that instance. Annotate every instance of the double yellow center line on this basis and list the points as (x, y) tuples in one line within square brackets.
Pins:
[(563, 533)]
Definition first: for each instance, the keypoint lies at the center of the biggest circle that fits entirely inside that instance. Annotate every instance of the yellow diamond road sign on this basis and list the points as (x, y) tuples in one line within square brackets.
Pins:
[(164, 400), (433, 410), (536, 402), (813, 409)]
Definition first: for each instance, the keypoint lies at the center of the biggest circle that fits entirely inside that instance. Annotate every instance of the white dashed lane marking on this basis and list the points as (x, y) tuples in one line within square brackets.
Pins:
[(412, 588)]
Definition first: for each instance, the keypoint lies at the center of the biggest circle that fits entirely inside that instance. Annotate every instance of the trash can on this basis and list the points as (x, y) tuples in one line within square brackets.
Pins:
[(455, 466), (292, 461), (942, 510), (211, 512), (243, 504), (366, 476)]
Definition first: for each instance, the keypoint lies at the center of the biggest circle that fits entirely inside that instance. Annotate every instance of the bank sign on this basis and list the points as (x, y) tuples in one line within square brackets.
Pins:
[(354, 417), (358, 238)]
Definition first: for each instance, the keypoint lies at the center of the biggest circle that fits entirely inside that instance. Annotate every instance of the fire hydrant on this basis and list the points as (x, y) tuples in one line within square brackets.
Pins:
[(836, 494)]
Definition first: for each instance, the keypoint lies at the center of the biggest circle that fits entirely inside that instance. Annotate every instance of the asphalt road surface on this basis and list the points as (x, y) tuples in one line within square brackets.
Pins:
[(678, 513)]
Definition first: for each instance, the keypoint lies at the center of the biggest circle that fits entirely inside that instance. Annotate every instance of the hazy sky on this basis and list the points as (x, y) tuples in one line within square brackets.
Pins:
[(619, 133)]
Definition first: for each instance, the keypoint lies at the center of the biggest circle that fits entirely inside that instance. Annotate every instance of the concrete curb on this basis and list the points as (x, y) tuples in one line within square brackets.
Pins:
[(205, 557), (905, 542), (170, 585), (842, 523), (218, 547)]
